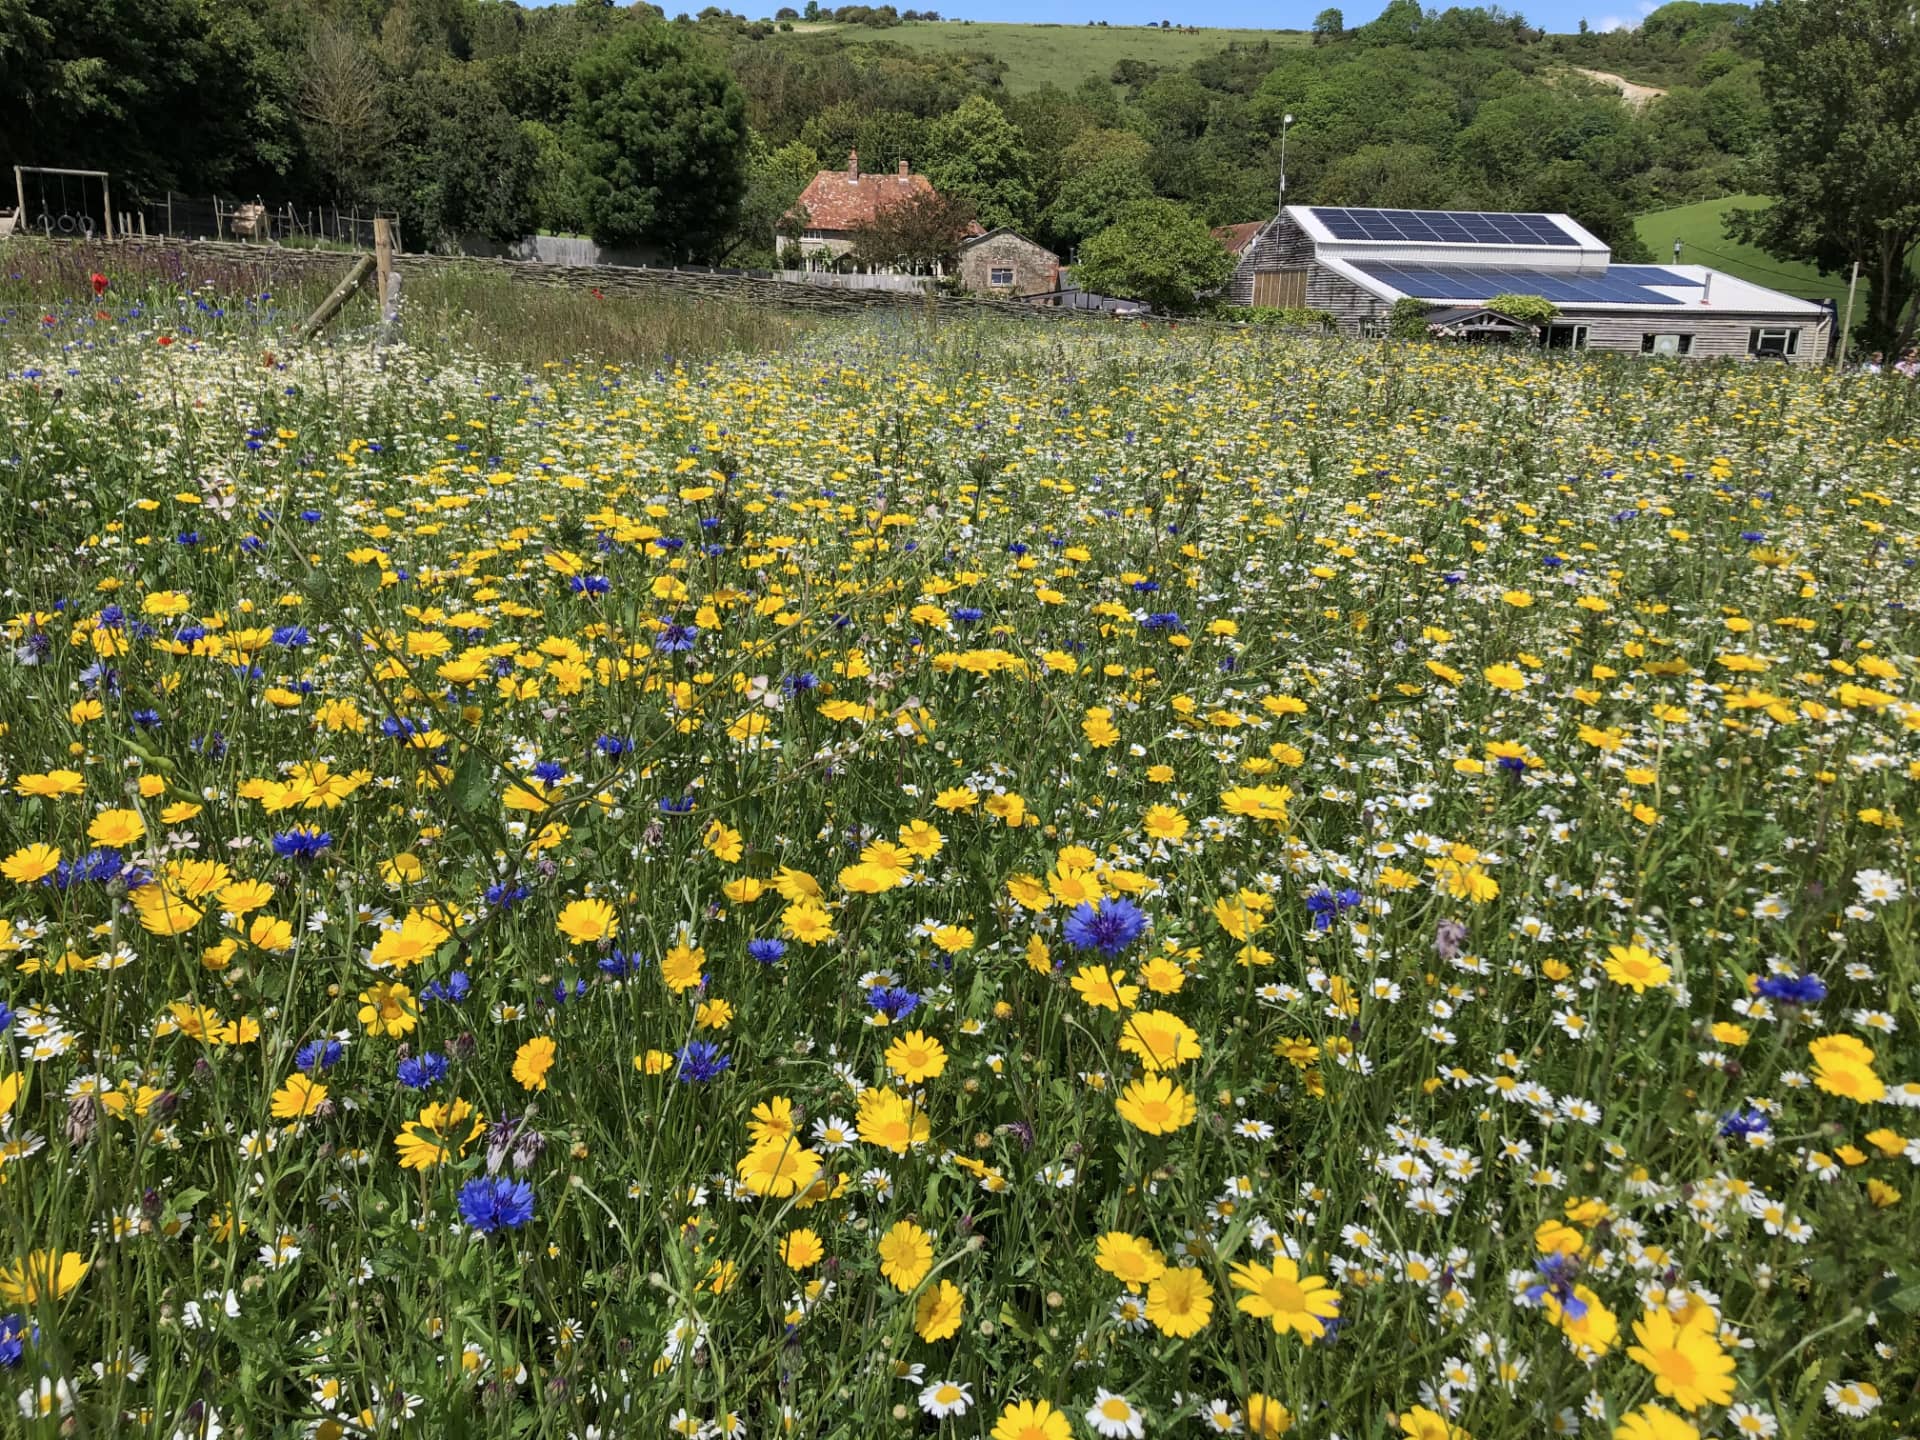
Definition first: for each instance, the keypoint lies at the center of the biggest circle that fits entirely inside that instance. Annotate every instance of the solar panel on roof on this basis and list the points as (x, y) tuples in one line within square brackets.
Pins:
[(1482, 283), (1442, 227), (1656, 275)]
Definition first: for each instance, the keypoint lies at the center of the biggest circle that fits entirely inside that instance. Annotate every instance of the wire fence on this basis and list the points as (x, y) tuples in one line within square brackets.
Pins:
[(73, 209)]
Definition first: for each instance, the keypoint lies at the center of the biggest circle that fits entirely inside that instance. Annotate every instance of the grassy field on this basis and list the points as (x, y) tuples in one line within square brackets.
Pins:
[(916, 881), (1698, 228), (1064, 55)]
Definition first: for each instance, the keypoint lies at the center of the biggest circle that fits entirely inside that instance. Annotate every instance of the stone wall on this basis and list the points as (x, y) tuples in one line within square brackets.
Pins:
[(1036, 269), (195, 262)]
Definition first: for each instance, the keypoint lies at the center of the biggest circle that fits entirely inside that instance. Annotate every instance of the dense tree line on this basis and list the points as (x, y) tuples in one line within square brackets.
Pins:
[(694, 134)]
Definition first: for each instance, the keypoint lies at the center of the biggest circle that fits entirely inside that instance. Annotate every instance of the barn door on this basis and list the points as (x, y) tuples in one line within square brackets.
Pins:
[(1280, 289)]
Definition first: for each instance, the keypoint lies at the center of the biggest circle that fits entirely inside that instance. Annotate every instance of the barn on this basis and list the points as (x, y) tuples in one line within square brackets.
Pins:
[(1355, 263)]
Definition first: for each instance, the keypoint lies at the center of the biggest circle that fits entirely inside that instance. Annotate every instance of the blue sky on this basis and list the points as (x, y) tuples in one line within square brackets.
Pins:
[(1558, 15)]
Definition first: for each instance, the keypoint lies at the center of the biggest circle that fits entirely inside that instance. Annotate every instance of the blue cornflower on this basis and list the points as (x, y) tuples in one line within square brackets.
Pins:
[(701, 1061), (767, 952), (676, 805), (550, 772), (892, 1001), (1792, 989), (799, 684), (967, 614), (1324, 904), (94, 867), (669, 543), (1110, 927), (111, 617), (453, 989), (6, 1017), (292, 636), (147, 719), (303, 842), (561, 994), (1145, 587), (312, 517), (675, 638), (590, 585), (613, 746), (1739, 1124), (1557, 1272), (1162, 620), (417, 1072), (318, 1055), (15, 1332), (618, 963), (502, 896), (1753, 537), (492, 1203)]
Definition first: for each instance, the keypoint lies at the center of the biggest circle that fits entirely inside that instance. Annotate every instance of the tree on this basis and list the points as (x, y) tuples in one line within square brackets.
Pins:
[(923, 230), (1402, 177), (978, 155), (775, 179), (1092, 199), (458, 162), (1328, 25), (342, 110), (1841, 80), (1157, 251), (659, 134)]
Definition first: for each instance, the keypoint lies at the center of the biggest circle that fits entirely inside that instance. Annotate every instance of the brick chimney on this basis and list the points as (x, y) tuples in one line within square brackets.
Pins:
[(905, 173), (853, 165)]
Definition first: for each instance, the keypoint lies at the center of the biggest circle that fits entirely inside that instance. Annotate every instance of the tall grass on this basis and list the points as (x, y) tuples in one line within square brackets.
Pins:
[(442, 310)]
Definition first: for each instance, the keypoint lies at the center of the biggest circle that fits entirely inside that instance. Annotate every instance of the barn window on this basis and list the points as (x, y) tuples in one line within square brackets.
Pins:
[(1564, 337), (1666, 344), (1767, 340), (1000, 275)]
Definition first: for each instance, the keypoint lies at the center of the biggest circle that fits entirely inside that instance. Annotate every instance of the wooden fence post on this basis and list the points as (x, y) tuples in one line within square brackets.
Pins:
[(383, 254), (330, 306)]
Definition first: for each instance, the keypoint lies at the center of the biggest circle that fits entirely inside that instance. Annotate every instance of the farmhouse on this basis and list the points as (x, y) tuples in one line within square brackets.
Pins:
[(836, 203), (1356, 263), (1005, 262)]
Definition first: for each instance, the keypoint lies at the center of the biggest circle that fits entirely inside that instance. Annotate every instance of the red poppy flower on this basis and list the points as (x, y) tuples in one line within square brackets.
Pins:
[(100, 283), (166, 340)]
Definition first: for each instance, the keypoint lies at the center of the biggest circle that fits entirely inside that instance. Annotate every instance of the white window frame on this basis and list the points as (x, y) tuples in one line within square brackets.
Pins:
[(1681, 343), (1788, 340), (1579, 339), (994, 272)]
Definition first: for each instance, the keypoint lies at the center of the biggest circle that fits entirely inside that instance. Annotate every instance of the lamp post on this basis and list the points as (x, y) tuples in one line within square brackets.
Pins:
[(1285, 121)]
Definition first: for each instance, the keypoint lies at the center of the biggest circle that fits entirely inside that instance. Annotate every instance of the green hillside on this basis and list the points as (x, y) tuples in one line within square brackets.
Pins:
[(1704, 242), (1061, 55)]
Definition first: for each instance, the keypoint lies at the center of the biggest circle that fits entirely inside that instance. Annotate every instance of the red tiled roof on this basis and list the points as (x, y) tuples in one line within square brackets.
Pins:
[(833, 201), (1237, 237)]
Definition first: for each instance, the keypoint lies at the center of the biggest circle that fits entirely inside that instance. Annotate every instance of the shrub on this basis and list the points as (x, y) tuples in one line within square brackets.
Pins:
[(1528, 309), (1281, 317), (1407, 320)]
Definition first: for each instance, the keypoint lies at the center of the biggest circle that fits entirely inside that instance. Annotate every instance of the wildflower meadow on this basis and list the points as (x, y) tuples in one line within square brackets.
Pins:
[(1043, 883)]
